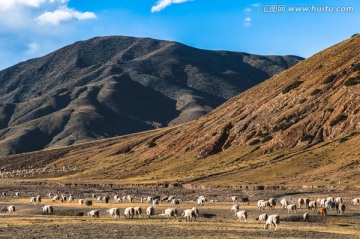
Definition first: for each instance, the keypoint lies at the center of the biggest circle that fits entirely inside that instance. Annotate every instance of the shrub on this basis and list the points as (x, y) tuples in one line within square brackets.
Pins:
[(302, 100), (343, 140), (330, 110), (315, 92), (356, 111), (352, 81), (307, 137), (329, 79), (281, 127), (262, 135), (267, 138), (353, 134), (357, 67), (338, 119), (255, 141), (292, 86), (355, 34)]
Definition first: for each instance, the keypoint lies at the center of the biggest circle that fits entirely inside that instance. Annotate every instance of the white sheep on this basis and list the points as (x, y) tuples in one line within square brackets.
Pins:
[(188, 214), (9, 209), (306, 217), (272, 220), (338, 200), (17, 194), (63, 198), (47, 209), (234, 198), (322, 202), (71, 198), (81, 201), (99, 198), (55, 198), (312, 205), (301, 202), (175, 202), (170, 212), (284, 203), (138, 211), (165, 198), (356, 201), (114, 212), (262, 217), (195, 212), (129, 212), (130, 198), (150, 211), (272, 203), (155, 202), (259, 204), (94, 213), (242, 215), (32, 200), (235, 208), (340, 207), (291, 208)]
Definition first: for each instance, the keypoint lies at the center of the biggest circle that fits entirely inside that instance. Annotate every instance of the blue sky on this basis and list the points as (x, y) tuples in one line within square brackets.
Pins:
[(33, 28)]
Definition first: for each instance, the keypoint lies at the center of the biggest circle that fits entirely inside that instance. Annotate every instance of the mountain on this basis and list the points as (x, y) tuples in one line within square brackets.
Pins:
[(299, 128), (111, 86)]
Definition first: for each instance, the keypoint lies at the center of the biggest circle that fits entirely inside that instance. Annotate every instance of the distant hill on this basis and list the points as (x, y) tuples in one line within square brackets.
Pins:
[(301, 127), (111, 86)]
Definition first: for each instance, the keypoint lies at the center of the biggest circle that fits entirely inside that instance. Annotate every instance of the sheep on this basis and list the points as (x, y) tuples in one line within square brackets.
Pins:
[(322, 211), (259, 204), (38, 199), (32, 200), (9, 209), (272, 203), (242, 215), (170, 212), (262, 217), (149, 199), (117, 198), (89, 203), (330, 204), (17, 194), (195, 212), (165, 198), (284, 203), (130, 198), (93, 196), (175, 202), (338, 200), (47, 209), (330, 199), (291, 208), (150, 211), (200, 202), (114, 212), (156, 198), (4, 194), (306, 217), (138, 211), (49, 195), (94, 213), (55, 198), (188, 214), (81, 201), (322, 202), (264, 204), (170, 198), (356, 201), (99, 199), (272, 220), (245, 199), (155, 202), (234, 198), (235, 208), (301, 202), (71, 198), (129, 212), (107, 198), (63, 198), (307, 201), (340, 208), (312, 205)]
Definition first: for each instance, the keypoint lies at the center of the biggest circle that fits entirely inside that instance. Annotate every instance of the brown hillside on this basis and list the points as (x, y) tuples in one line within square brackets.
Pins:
[(299, 127)]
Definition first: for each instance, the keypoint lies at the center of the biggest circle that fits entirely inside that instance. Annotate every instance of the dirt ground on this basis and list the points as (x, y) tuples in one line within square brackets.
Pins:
[(215, 221)]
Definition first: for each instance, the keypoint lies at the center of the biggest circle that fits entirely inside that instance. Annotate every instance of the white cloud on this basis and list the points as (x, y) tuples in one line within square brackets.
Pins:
[(247, 21), (63, 15), (247, 10), (33, 48), (162, 4), (256, 5)]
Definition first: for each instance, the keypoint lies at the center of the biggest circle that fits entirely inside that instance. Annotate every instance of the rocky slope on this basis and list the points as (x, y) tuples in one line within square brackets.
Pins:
[(110, 86)]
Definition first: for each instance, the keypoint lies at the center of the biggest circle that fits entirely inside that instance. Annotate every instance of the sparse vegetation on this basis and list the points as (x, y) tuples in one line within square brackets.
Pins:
[(353, 134), (337, 120), (356, 111), (341, 140), (357, 67), (307, 137), (302, 100), (352, 81), (262, 135), (281, 127), (292, 86), (266, 139), (255, 141), (330, 110), (315, 92), (329, 79)]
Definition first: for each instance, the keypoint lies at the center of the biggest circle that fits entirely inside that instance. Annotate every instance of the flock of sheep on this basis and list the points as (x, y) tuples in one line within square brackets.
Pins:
[(323, 205)]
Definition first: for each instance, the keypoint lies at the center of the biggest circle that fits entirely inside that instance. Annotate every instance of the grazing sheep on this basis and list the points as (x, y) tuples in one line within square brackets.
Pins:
[(4, 194), (322, 211), (155, 202), (149, 199), (170, 212), (234, 198), (272, 220), (259, 203), (63, 198), (340, 208), (242, 215), (38, 199), (170, 198), (47, 209), (49, 195), (330, 199), (262, 217), (200, 201), (55, 198), (272, 203), (32, 200), (235, 208), (71, 198), (129, 212), (291, 208), (114, 212), (89, 203), (99, 199), (322, 202), (188, 214), (138, 211), (307, 201), (284, 203), (195, 212), (150, 211), (130, 198), (107, 198), (94, 213), (330, 204), (312, 205), (116, 197), (356, 201), (306, 217), (93, 196), (264, 204), (9, 209), (165, 198), (17, 194), (81, 201), (338, 200), (301, 202), (175, 202)]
